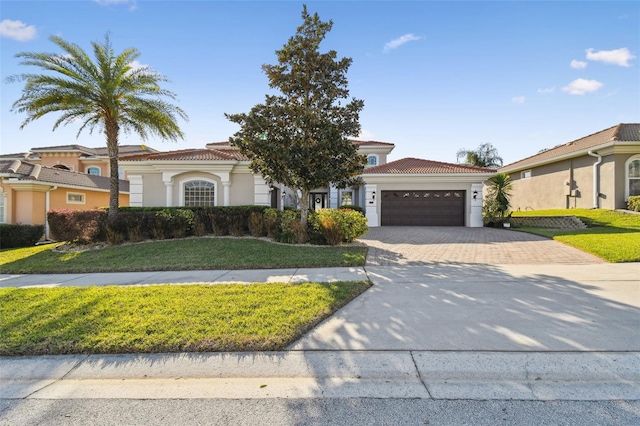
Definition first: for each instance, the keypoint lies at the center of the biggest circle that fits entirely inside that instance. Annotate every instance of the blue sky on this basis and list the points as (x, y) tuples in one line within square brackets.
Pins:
[(435, 76)]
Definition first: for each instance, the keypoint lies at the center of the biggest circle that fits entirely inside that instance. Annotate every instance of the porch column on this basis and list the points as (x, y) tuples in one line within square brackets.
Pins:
[(261, 193), (136, 191), (167, 178), (371, 205), (475, 215)]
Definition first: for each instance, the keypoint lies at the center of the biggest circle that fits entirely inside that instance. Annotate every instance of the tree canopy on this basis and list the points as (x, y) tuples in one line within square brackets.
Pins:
[(300, 137), (110, 94), (486, 155)]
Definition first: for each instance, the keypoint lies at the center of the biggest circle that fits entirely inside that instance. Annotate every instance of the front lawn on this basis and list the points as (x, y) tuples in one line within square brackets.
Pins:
[(165, 318), (611, 235), (175, 255)]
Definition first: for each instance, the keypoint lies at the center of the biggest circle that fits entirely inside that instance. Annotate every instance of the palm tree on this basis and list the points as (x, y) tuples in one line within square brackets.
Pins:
[(110, 94), (485, 156), (497, 200)]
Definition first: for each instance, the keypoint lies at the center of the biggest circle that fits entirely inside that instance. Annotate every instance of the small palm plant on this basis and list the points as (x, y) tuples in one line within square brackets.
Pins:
[(110, 94), (496, 202)]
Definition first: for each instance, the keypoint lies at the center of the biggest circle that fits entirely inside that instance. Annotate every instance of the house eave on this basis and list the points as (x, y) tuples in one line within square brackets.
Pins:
[(611, 147), (381, 178)]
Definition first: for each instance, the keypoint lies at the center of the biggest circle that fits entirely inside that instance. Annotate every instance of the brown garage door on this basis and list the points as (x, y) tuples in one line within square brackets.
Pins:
[(423, 208)]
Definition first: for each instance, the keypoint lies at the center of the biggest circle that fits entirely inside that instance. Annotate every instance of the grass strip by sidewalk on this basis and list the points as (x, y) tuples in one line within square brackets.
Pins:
[(176, 255), (611, 235), (165, 318)]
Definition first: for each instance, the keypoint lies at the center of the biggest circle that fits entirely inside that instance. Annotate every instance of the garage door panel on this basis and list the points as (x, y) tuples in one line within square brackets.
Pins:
[(423, 208)]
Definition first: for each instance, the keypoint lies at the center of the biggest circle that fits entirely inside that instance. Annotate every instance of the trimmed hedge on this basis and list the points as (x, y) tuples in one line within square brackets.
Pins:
[(634, 203), (81, 226), (18, 235), (327, 226)]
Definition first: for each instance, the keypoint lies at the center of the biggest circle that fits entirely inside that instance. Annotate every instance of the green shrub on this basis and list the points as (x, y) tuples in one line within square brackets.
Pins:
[(272, 219), (18, 235), (286, 226), (634, 203), (79, 226), (339, 225), (256, 224)]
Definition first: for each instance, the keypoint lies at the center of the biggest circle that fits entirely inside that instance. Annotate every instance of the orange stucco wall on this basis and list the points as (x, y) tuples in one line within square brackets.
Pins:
[(29, 206), (93, 200)]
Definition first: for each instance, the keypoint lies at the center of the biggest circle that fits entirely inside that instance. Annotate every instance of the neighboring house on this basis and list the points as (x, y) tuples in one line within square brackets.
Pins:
[(440, 193), (77, 158), (29, 190), (597, 171)]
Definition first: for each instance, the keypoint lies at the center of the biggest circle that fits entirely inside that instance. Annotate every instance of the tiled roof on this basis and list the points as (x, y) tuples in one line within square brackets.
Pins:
[(123, 150), (619, 133), (230, 153), (374, 143), (419, 166), (35, 172), (356, 142)]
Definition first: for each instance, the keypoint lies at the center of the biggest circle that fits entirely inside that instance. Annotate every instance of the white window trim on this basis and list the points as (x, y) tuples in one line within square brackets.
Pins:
[(626, 175), (94, 167), (373, 156), (524, 172), (84, 198), (182, 182)]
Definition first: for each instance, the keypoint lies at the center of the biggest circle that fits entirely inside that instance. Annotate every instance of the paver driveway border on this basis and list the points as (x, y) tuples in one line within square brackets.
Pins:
[(415, 245)]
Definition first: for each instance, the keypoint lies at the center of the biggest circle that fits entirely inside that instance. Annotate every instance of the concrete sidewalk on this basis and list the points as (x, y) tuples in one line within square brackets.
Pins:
[(326, 374), (293, 275)]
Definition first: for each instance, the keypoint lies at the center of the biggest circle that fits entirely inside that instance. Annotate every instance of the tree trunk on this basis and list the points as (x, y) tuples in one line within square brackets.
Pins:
[(112, 130), (304, 207)]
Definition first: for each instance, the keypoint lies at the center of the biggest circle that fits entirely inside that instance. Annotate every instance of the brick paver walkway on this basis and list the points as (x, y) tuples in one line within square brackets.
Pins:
[(398, 245)]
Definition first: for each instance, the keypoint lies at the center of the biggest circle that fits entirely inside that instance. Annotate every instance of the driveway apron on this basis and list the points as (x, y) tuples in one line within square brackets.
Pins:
[(484, 290)]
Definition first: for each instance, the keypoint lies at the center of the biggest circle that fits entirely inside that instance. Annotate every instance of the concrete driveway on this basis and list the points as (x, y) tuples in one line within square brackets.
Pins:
[(484, 290)]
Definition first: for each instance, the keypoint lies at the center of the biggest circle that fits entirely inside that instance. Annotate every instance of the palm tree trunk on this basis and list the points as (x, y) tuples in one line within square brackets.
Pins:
[(112, 131)]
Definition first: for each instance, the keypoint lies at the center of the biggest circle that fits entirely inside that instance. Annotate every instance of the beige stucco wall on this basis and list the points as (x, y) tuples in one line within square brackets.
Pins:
[(242, 189), (546, 188)]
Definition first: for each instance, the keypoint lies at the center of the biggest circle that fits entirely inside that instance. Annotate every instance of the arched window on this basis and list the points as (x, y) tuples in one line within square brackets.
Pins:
[(94, 171), (372, 160), (632, 176), (199, 193), (61, 167)]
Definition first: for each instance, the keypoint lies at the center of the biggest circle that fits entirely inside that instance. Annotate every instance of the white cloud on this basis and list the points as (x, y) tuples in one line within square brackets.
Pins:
[(579, 65), (365, 135), (617, 56), (133, 5), (518, 99), (17, 30), (582, 86), (547, 90), (395, 43)]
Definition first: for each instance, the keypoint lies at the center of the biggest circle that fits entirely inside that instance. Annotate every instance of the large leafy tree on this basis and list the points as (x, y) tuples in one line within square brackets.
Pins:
[(486, 155), (300, 137), (110, 94)]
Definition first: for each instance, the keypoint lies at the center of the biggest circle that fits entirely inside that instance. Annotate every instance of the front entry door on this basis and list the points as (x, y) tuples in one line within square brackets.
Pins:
[(318, 200)]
